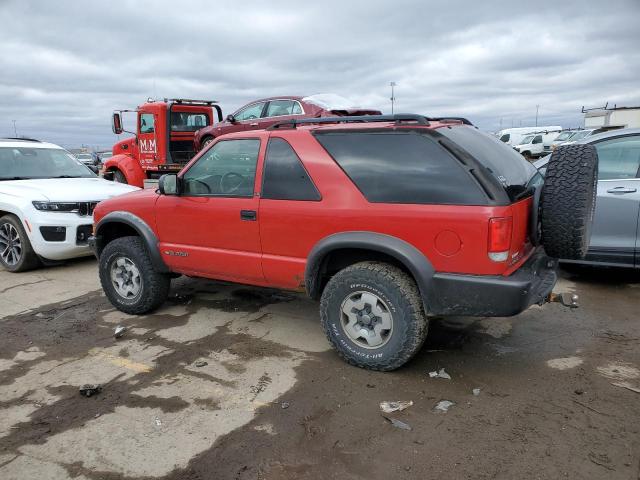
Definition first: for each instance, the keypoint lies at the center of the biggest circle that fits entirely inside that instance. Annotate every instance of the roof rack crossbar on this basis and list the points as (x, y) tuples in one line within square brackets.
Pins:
[(188, 101), (444, 119), (399, 118)]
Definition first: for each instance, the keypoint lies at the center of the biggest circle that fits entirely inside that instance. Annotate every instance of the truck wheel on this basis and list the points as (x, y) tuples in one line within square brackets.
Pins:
[(128, 278), (569, 200), (16, 253), (373, 316), (119, 177), (206, 142), (527, 156)]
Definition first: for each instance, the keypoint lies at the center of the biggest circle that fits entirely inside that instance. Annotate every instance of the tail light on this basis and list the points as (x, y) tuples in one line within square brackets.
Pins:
[(500, 229)]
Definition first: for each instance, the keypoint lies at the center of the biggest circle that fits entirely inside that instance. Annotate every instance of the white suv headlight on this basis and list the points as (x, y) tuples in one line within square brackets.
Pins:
[(55, 206)]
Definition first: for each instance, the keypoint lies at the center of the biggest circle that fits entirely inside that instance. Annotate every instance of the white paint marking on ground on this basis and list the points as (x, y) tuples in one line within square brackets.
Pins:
[(619, 371), (565, 363)]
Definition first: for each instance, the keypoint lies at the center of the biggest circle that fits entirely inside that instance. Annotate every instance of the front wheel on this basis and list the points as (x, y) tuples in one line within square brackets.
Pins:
[(16, 253), (128, 278), (119, 177), (372, 314)]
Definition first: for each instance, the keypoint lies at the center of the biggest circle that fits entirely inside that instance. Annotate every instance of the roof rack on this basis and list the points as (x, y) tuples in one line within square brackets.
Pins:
[(398, 118), (187, 101), (24, 139), (444, 119)]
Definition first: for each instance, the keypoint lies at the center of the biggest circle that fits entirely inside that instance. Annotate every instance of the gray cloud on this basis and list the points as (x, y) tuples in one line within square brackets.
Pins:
[(67, 64)]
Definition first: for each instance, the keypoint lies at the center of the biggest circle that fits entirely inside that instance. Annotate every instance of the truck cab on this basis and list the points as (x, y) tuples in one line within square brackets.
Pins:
[(162, 141)]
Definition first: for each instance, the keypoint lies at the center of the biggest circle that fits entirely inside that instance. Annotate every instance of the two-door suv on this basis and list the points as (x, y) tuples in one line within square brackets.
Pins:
[(387, 220)]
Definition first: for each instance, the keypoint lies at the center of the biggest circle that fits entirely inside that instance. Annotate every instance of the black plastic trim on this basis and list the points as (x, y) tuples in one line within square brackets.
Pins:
[(140, 226), (405, 253), (494, 295)]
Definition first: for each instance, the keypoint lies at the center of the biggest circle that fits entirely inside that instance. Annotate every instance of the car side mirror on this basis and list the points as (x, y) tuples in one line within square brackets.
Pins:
[(94, 169), (169, 184), (116, 123), (231, 119)]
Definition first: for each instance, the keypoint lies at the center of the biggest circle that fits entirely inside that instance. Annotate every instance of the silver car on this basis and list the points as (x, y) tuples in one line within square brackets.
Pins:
[(615, 239)]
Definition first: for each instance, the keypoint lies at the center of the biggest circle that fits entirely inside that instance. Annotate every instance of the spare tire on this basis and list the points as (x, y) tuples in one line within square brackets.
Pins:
[(568, 201)]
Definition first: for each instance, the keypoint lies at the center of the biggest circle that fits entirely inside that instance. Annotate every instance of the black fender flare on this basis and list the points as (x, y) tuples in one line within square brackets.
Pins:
[(420, 267), (140, 226)]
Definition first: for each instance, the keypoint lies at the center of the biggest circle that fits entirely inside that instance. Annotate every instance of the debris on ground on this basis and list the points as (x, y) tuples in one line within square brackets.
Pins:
[(88, 389), (158, 422), (626, 385), (119, 331), (390, 407), (201, 363), (284, 405), (440, 374), (444, 405), (476, 392), (397, 423), (578, 391)]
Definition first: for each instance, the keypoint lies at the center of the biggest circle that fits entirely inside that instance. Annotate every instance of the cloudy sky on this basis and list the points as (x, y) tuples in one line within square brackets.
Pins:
[(65, 65)]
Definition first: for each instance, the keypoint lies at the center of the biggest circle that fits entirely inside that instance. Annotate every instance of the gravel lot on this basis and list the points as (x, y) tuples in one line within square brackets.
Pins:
[(230, 382)]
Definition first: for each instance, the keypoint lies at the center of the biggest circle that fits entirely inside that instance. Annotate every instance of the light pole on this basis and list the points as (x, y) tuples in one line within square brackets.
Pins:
[(15, 132), (393, 98), (537, 108)]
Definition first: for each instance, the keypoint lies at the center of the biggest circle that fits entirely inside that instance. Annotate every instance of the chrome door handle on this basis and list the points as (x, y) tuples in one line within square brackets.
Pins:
[(253, 124), (621, 190)]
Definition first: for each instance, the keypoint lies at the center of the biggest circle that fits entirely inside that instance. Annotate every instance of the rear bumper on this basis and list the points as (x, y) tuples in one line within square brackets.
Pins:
[(494, 296)]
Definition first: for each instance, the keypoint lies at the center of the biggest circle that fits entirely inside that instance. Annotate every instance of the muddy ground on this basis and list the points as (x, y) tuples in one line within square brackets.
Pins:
[(228, 382)]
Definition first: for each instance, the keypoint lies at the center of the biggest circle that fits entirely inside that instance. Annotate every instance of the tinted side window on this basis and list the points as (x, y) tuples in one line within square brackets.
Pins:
[(401, 167), (537, 139), (284, 175), (619, 158), (227, 169), (505, 137)]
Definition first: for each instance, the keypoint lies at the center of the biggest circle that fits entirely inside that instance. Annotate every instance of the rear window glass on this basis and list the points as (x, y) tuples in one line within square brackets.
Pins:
[(401, 167), (513, 171)]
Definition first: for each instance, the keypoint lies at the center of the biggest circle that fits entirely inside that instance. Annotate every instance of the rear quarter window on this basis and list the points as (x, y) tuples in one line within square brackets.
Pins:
[(507, 165), (401, 167)]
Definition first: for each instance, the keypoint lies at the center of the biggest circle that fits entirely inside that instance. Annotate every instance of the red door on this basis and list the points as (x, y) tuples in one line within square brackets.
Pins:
[(147, 140), (211, 229)]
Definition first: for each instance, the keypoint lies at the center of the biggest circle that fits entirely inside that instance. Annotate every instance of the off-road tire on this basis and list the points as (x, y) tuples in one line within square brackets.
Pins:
[(119, 177), (155, 285), (568, 201), (399, 291), (28, 258)]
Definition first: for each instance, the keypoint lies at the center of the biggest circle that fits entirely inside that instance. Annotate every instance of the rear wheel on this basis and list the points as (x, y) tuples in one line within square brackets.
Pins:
[(16, 253), (568, 201), (119, 177), (128, 278), (206, 142), (373, 316)]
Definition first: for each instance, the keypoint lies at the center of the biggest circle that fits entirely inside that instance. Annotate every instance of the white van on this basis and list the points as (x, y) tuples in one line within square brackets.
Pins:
[(536, 144), (514, 136)]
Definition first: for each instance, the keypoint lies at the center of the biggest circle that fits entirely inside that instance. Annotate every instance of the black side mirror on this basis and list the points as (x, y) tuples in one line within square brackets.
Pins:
[(231, 119), (169, 184), (116, 123)]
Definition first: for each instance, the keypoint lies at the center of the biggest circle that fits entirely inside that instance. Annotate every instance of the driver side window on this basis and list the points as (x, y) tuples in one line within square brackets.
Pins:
[(250, 112), (228, 169)]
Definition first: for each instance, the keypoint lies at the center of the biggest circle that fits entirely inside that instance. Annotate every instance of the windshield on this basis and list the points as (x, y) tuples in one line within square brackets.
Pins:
[(580, 135), (527, 139), (17, 163), (564, 136)]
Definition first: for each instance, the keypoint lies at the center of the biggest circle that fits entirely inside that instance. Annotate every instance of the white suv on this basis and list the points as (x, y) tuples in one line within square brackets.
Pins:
[(47, 198)]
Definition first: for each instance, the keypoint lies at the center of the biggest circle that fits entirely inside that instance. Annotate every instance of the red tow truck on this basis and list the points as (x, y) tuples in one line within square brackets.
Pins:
[(163, 140)]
